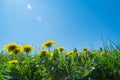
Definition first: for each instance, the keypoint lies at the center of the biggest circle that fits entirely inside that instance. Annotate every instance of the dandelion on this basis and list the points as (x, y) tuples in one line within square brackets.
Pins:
[(17, 51), (85, 49), (11, 46), (43, 52), (48, 44), (27, 48), (69, 53), (13, 62), (61, 49), (87, 52)]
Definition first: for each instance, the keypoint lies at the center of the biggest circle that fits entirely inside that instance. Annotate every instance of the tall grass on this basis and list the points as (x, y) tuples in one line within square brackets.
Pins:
[(102, 64)]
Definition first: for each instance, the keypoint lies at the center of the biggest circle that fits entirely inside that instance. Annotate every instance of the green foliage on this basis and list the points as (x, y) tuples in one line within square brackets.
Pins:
[(93, 65)]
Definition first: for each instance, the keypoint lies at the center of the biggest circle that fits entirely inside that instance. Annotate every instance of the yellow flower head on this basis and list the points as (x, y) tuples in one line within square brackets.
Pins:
[(85, 49), (43, 52), (13, 62), (27, 48), (16, 51), (61, 49), (48, 43), (69, 53), (11, 46)]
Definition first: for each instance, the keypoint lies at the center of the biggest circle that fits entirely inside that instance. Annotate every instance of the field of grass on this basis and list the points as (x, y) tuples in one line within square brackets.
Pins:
[(18, 63)]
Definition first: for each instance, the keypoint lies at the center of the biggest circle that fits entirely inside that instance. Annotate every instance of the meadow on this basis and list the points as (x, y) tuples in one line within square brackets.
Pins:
[(18, 63)]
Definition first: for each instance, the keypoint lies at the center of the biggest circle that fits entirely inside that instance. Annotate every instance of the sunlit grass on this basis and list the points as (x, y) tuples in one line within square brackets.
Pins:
[(60, 64)]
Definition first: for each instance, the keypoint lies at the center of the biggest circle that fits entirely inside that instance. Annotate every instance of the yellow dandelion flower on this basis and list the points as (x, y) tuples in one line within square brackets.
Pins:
[(17, 50), (11, 46), (61, 49), (27, 48), (48, 43), (13, 62), (43, 52), (85, 49), (69, 53)]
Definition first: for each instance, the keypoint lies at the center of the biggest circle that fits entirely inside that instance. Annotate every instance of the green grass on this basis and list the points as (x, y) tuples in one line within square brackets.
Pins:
[(103, 64)]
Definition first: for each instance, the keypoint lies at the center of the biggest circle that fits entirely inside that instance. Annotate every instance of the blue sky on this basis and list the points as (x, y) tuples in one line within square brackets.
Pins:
[(72, 23)]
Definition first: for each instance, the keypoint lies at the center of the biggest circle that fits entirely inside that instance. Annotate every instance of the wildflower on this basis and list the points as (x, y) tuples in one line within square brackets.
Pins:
[(11, 46), (69, 53), (27, 48), (61, 49), (48, 44), (43, 52), (16, 51), (85, 49), (13, 62)]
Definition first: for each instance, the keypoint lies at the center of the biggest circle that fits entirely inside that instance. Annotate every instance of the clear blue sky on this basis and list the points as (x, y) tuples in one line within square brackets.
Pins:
[(72, 23)]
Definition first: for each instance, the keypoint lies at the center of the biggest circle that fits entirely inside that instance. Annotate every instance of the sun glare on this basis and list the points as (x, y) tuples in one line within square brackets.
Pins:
[(29, 6)]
